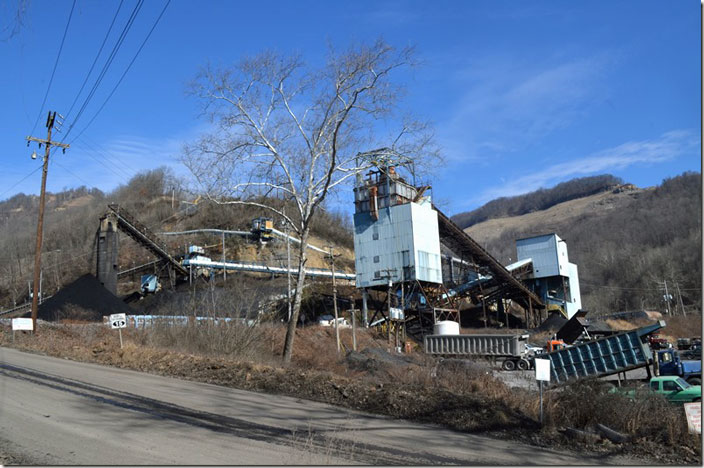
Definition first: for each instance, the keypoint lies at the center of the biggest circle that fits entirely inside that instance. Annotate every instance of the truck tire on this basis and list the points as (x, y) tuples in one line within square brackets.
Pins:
[(523, 365), (508, 365), (694, 381)]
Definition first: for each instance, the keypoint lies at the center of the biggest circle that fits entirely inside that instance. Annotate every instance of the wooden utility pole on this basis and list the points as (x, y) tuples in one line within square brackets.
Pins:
[(353, 312), (331, 258), (667, 298), (40, 222), (679, 295)]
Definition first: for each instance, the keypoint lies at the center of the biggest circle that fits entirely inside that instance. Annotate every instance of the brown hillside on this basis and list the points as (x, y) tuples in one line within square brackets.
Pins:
[(555, 217)]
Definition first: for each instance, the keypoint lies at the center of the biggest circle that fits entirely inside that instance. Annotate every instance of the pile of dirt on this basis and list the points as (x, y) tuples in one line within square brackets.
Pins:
[(600, 327), (377, 361), (84, 299)]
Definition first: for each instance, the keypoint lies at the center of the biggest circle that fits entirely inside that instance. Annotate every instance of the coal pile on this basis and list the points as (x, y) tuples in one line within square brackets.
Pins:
[(84, 299), (554, 322)]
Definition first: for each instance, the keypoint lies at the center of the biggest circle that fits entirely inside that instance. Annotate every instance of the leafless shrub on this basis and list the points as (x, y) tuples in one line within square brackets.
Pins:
[(212, 321), (648, 415), (230, 339)]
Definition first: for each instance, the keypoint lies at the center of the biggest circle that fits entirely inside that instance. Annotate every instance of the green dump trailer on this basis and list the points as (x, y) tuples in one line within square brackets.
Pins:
[(606, 356)]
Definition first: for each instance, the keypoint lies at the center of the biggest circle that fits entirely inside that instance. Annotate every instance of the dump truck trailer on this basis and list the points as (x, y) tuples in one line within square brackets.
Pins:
[(606, 356), (509, 350)]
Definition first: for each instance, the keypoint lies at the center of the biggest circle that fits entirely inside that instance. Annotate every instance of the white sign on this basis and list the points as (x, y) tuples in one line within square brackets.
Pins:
[(22, 324), (118, 321), (694, 417), (542, 369)]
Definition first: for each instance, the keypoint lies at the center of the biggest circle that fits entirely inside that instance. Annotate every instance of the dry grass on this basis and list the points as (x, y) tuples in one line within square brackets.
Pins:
[(232, 340), (647, 416), (679, 326), (625, 325), (459, 394)]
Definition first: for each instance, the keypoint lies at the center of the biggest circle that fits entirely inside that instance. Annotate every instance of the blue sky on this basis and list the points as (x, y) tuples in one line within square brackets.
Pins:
[(522, 95)]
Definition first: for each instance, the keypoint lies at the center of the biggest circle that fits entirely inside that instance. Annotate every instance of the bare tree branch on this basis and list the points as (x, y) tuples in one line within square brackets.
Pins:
[(286, 130)]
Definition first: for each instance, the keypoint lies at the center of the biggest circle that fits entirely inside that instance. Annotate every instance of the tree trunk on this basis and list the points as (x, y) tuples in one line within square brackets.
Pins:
[(297, 298)]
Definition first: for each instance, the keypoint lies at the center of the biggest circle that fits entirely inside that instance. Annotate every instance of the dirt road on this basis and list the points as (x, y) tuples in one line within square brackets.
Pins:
[(55, 411)]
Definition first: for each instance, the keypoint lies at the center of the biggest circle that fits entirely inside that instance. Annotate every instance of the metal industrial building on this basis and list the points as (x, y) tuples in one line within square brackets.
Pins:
[(398, 239), (553, 278), (395, 237)]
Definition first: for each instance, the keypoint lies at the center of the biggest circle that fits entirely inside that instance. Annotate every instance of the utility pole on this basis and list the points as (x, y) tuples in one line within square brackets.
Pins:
[(389, 276), (667, 298), (224, 270), (353, 312), (331, 258), (679, 295), (50, 120)]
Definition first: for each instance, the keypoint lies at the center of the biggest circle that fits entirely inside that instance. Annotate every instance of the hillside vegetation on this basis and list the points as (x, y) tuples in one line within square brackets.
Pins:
[(626, 242), (155, 199), (541, 199)]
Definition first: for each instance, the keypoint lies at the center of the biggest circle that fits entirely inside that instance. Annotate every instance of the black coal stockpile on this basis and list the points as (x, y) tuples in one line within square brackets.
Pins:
[(84, 299), (554, 322)]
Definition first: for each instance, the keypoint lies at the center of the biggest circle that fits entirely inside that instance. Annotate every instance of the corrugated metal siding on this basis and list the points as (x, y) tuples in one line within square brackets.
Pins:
[(596, 358), (543, 251), (474, 345), (403, 228), (576, 304), (426, 243)]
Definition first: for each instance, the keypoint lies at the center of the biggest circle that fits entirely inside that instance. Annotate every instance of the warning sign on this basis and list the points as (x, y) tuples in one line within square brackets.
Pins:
[(694, 417)]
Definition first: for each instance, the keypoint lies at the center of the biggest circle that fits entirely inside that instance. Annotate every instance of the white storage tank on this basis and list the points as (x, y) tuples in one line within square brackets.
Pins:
[(446, 327)]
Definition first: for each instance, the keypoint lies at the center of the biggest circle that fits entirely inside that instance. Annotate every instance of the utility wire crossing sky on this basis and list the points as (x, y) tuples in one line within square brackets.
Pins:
[(522, 95)]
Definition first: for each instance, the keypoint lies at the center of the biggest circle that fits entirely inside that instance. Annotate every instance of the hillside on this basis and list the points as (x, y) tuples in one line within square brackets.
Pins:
[(625, 241), (71, 222), (541, 199), (556, 217)]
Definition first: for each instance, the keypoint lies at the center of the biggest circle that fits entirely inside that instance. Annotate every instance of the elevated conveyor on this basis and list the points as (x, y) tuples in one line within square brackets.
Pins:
[(204, 262), (454, 238), (145, 237)]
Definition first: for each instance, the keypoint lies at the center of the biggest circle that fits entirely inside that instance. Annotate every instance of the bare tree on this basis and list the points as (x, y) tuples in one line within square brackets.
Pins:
[(288, 132), (14, 18)]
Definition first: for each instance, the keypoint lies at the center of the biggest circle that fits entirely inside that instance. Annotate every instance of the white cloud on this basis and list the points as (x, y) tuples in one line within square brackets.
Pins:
[(510, 103), (668, 146), (115, 162)]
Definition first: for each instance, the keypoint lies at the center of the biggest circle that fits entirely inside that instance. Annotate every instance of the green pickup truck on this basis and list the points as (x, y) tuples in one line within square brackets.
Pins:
[(674, 388)]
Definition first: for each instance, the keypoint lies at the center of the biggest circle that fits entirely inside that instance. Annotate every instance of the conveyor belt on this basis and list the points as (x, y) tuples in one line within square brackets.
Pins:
[(462, 244), (145, 237)]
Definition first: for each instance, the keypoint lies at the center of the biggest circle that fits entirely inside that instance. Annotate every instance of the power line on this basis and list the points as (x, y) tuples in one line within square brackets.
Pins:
[(90, 145), (600, 286), (125, 73), (54, 161), (95, 60), (102, 163), (53, 72), (20, 181), (107, 64)]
